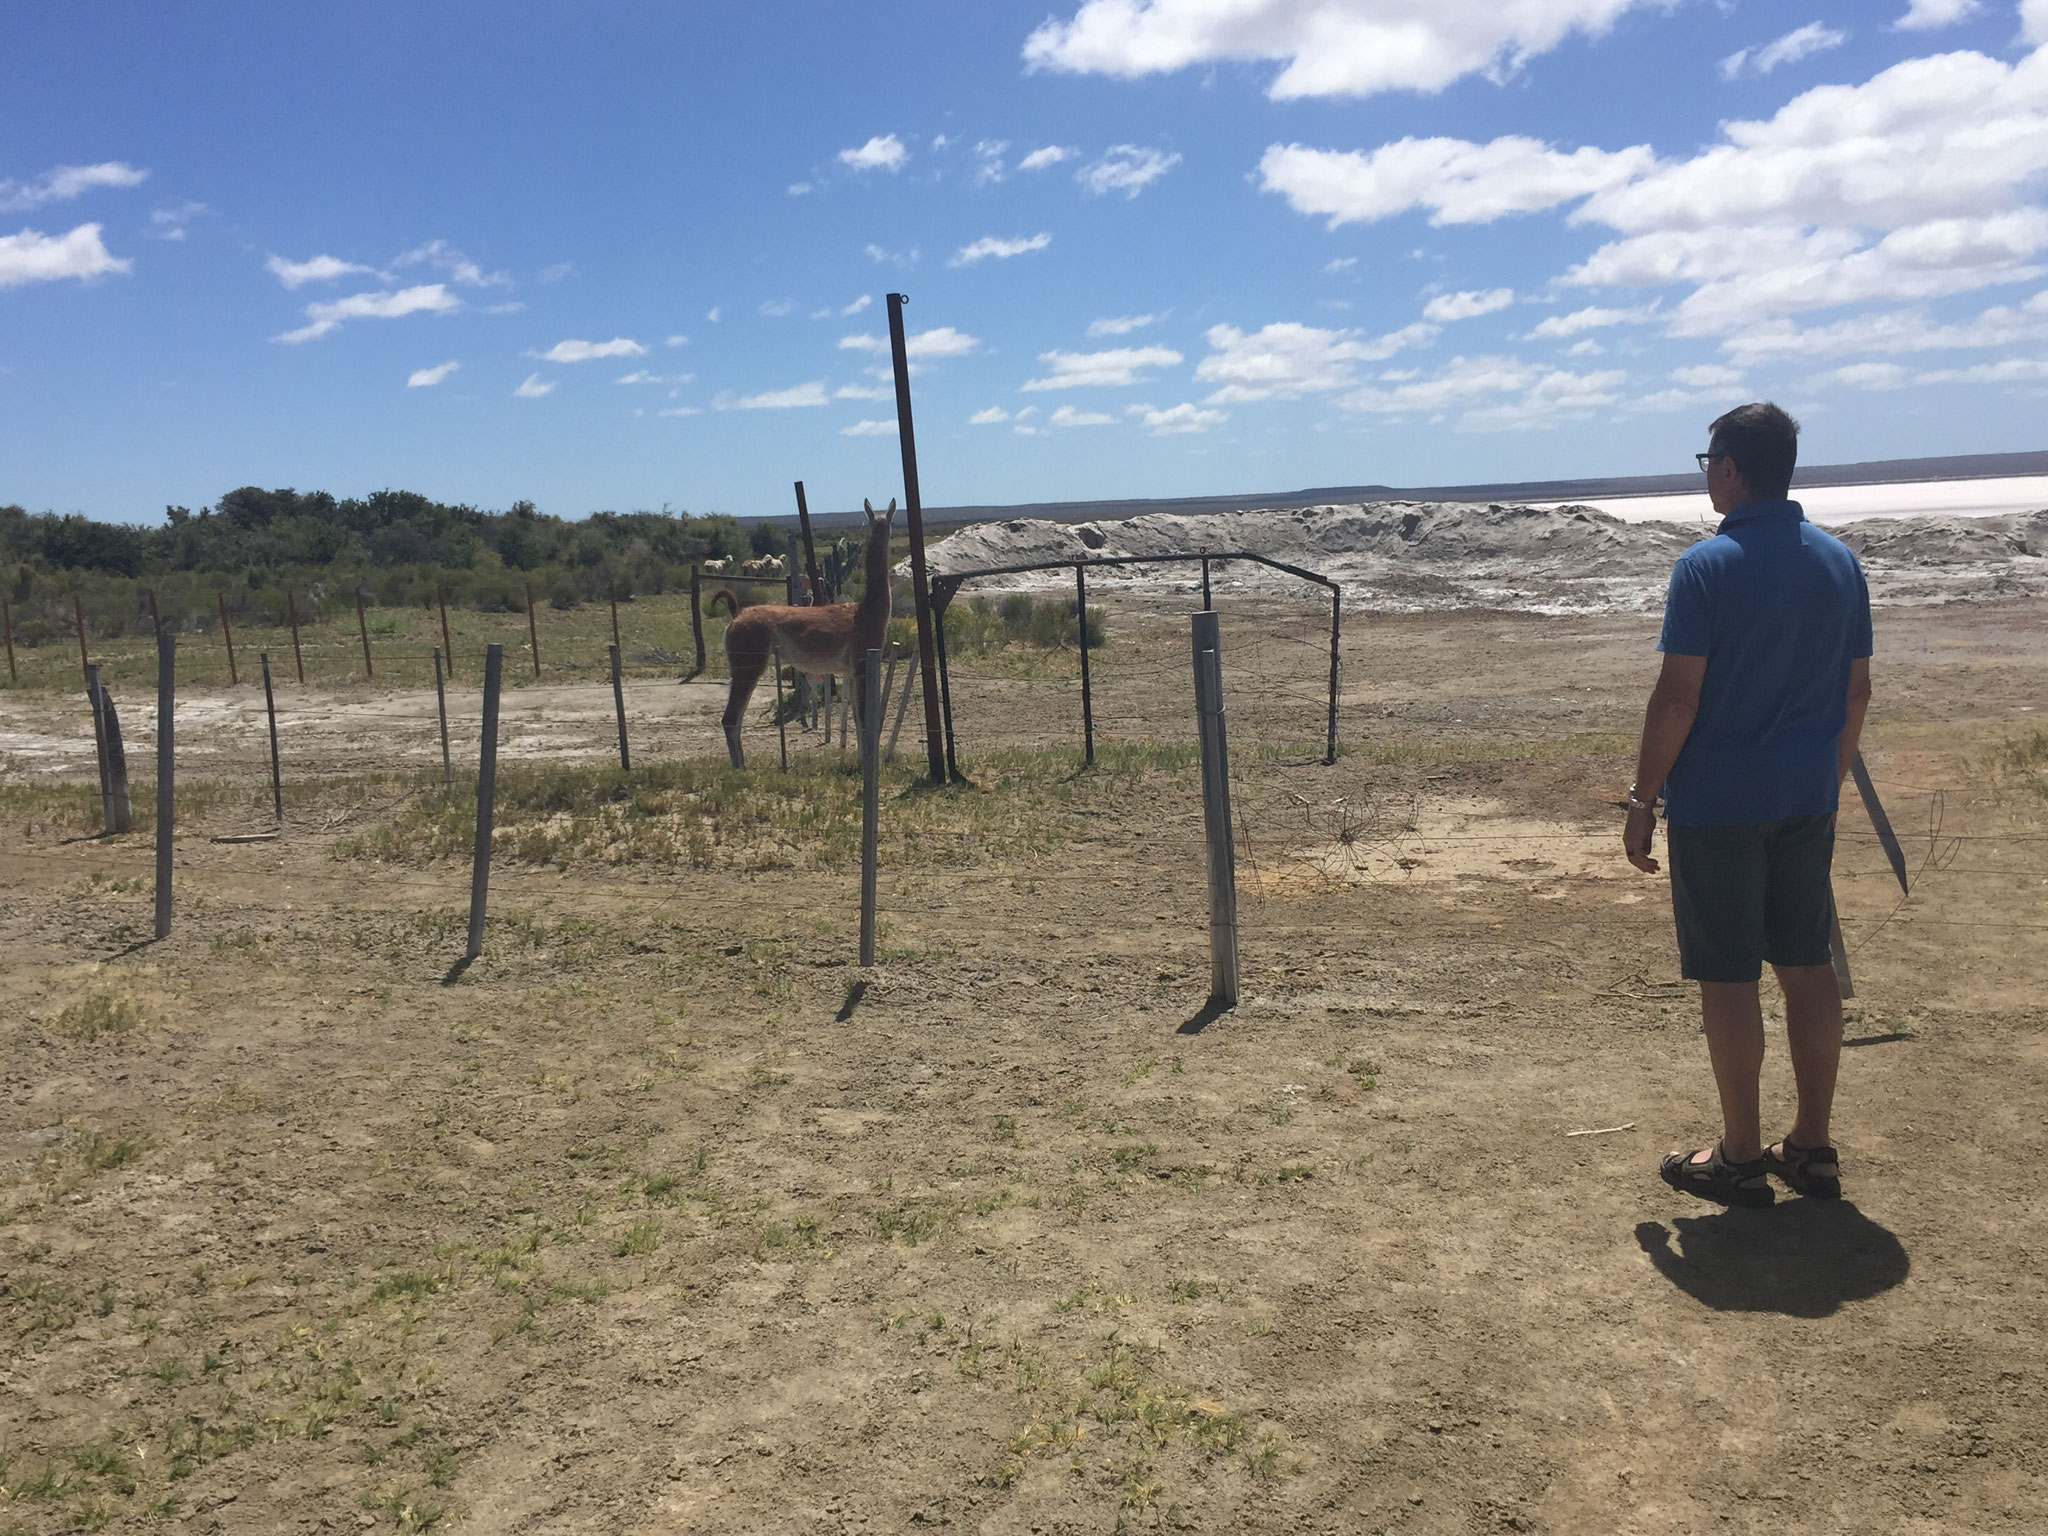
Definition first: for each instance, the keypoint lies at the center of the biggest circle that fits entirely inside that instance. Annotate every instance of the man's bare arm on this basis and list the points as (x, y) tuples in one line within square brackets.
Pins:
[(1859, 705), (1674, 703)]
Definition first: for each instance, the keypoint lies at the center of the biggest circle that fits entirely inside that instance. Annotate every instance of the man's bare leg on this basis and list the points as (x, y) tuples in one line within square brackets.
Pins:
[(1813, 1029), (1735, 1044)]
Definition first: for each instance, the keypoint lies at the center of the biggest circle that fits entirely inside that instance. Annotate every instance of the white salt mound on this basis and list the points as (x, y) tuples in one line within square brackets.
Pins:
[(1410, 556)]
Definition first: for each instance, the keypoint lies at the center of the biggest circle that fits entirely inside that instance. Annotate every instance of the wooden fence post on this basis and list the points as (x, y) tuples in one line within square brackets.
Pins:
[(85, 661), (1206, 604), (227, 634), (292, 609), (920, 583), (486, 796), (1222, 852), (902, 704), (441, 704), (276, 772), (803, 522), (363, 628), (532, 630), (7, 622), (447, 645), (166, 760), (696, 619), (781, 724), (1087, 693), (870, 727), (619, 704), (99, 743), (613, 591), (117, 763)]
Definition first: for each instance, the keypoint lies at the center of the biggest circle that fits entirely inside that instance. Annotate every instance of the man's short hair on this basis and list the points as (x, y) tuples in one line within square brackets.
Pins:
[(1763, 440)]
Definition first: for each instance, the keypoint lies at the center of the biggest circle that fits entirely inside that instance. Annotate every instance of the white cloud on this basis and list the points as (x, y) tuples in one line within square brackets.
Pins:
[(426, 298), (1175, 419), (775, 309), (995, 245), (534, 387), (858, 304), (65, 182), (1328, 47), (586, 351), (1115, 368), (1121, 325), (427, 378), (1040, 159), (919, 346), (1927, 15), (1708, 376), (317, 269), (863, 392), (988, 161), (1587, 348), (801, 189), (556, 273), (796, 396), (884, 152), (712, 314), (1590, 319), (988, 418), (892, 258), (460, 269), (1340, 264), (1458, 181), (1870, 376), (870, 429), (682, 410), (1790, 49), (1067, 416), (642, 376), (1447, 307), (1286, 360), (677, 341), (1495, 394), (34, 257), (2034, 21), (169, 222), (1125, 168), (1894, 332)]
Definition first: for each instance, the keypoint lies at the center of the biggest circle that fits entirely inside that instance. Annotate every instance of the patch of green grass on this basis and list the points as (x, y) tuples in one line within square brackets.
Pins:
[(641, 1237), (101, 1153), (408, 1285), (2021, 763), (96, 1014)]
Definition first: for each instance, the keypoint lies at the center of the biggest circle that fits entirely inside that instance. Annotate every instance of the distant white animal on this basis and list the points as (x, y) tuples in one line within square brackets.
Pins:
[(716, 567), (765, 566)]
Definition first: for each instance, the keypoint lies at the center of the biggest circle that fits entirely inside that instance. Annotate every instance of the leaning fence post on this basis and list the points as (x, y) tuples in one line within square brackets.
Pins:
[(803, 522), (85, 661), (7, 622), (902, 703), (941, 600), (1222, 853), (447, 645), (99, 745), (486, 795), (937, 751), (227, 634), (619, 704), (166, 705), (870, 795), (612, 591), (532, 630), (1838, 951), (363, 628), (1087, 698), (117, 764), (298, 657), (697, 618), (1336, 614), (781, 724), (270, 709), (441, 704)]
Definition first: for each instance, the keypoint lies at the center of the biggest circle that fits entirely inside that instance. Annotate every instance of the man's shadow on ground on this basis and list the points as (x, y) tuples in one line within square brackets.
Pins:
[(1803, 1258)]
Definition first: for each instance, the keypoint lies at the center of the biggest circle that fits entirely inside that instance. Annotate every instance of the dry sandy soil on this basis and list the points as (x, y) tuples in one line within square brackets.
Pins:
[(652, 1220)]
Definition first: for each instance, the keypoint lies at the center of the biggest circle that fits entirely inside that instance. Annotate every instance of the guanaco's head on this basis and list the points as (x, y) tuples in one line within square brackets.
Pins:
[(878, 522)]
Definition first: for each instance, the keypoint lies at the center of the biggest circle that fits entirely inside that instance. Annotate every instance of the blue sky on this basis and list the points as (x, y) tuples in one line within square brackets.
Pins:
[(633, 255)]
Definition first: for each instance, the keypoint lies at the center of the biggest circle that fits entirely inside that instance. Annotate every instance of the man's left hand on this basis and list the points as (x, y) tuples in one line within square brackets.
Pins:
[(1635, 840)]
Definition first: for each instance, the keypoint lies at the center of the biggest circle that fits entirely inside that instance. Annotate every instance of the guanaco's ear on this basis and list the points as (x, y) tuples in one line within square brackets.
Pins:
[(869, 505), (892, 508)]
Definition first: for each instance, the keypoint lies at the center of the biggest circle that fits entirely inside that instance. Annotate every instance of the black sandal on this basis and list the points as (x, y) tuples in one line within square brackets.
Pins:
[(1795, 1164), (1719, 1180)]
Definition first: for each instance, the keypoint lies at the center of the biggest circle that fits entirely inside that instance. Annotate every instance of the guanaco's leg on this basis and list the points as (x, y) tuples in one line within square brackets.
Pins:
[(746, 658)]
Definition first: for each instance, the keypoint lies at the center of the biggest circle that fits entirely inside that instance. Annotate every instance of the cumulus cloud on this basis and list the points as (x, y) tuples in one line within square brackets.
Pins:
[(426, 298), (676, 341), (1115, 368), (870, 429), (801, 189), (892, 258), (1592, 318), (170, 221), (534, 387), (643, 376), (988, 418), (919, 346), (34, 257), (1790, 49), (1459, 182), (1125, 168), (1327, 47), (996, 246), (1121, 325), (884, 152), (587, 351), (2034, 21), (862, 392), (64, 182), (775, 309), (460, 269), (1495, 394), (316, 269), (1870, 376), (1895, 332), (988, 161), (1447, 307), (1338, 264), (1067, 416), (427, 378), (795, 397), (1928, 15), (1176, 419), (1039, 159), (1287, 360), (858, 304)]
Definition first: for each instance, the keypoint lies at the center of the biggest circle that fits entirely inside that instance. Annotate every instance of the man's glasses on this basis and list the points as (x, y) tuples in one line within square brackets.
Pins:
[(1707, 459)]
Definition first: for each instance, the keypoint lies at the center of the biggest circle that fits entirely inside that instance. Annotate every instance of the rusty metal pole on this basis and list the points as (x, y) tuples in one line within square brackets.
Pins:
[(270, 709), (227, 634), (1087, 695), (1336, 616), (447, 648), (613, 591), (85, 661), (803, 521), (298, 658), (486, 801), (363, 628), (532, 630), (920, 583), (155, 623), (166, 764), (619, 705)]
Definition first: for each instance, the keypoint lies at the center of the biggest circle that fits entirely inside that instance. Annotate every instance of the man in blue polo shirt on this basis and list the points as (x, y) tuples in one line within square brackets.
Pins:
[(1749, 733)]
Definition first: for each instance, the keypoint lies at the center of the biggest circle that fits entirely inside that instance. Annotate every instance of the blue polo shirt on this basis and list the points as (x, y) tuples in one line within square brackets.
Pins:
[(1779, 609)]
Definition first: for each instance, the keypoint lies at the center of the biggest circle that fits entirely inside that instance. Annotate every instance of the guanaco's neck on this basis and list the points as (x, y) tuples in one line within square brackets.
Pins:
[(874, 597)]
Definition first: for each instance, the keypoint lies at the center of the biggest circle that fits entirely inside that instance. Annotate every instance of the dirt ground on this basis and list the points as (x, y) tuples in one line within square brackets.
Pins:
[(656, 1218)]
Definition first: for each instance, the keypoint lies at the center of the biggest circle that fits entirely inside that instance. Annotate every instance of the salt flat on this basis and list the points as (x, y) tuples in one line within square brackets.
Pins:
[(1847, 503)]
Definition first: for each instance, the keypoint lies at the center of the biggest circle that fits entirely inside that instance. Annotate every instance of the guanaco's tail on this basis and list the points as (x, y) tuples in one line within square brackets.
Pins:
[(732, 603)]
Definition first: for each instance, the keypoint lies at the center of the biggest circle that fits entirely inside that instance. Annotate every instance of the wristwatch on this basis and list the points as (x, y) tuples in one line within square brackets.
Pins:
[(1636, 804)]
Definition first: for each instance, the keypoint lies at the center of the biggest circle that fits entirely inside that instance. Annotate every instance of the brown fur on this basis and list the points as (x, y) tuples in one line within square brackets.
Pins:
[(829, 639)]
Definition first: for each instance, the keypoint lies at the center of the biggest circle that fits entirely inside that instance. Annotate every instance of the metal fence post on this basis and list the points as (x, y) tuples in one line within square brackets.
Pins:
[(7, 623), (619, 704), (486, 794), (166, 720), (117, 763), (942, 765), (1087, 696), (99, 744), (270, 709), (1336, 614), (1222, 852), (441, 704), (363, 628), (447, 645), (291, 609), (870, 795), (697, 617), (532, 630), (227, 634)]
